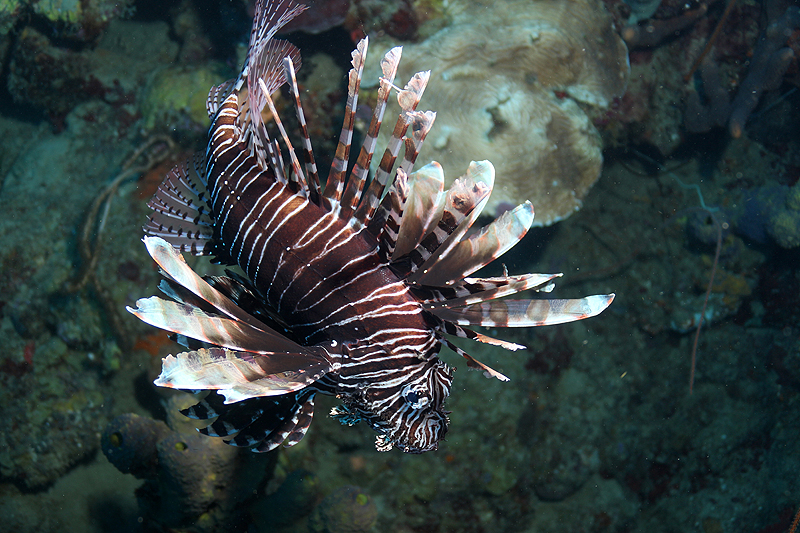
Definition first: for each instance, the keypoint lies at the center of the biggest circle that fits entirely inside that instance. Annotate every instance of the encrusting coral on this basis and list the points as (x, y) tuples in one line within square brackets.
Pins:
[(506, 80)]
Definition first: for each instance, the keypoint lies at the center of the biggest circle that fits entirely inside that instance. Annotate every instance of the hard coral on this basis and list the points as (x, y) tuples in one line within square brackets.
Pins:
[(506, 81)]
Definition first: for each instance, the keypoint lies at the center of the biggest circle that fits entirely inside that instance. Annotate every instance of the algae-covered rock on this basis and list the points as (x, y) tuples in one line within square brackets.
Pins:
[(176, 98), (509, 82)]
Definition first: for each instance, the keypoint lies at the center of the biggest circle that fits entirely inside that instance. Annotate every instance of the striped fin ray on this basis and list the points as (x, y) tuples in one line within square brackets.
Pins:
[(266, 76), (465, 201), (465, 333), (302, 421), (238, 332), (473, 363), (358, 176), (481, 248), (421, 124), (216, 95), (270, 17), (180, 213), (335, 184), (314, 191), (193, 322), (525, 313), (408, 99), (207, 408), (393, 204), (240, 375), (476, 290), (292, 429), (297, 176), (279, 418), (231, 418), (423, 207)]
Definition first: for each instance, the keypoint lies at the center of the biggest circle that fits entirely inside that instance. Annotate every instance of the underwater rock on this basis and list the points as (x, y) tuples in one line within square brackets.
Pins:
[(190, 479), (320, 16), (506, 81), (294, 499), (53, 409), (129, 443), (346, 510), (770, 212)]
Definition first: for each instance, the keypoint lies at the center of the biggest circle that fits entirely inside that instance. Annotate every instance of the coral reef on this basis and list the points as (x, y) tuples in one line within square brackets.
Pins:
[(78, 20), (784, 222), (770, 213), (595, 432), (519, 93), (56, 79), (771, 59)]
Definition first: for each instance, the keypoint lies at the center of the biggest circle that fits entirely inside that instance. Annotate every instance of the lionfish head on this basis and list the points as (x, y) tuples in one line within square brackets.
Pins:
[(413, 418)]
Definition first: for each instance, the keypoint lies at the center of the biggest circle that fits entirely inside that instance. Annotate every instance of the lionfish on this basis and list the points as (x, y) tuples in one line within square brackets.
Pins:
[(351, 287)]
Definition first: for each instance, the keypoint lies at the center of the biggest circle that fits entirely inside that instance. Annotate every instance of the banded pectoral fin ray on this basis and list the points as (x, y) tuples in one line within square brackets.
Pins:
[(238, 375), (525, 313), (174, 266), (193, 322)]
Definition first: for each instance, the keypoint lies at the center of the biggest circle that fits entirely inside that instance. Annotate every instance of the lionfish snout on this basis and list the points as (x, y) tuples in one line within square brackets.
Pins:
[(416, 421), (419, 431)]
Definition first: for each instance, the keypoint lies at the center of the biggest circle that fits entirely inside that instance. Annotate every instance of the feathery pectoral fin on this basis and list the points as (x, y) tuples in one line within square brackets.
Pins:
[(195, 323), (241, 375)]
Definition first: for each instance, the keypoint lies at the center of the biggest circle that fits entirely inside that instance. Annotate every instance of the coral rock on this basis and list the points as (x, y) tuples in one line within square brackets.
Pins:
[(506, 79)]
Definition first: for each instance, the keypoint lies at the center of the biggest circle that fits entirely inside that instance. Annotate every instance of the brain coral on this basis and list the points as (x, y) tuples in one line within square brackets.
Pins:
[(506, 80)]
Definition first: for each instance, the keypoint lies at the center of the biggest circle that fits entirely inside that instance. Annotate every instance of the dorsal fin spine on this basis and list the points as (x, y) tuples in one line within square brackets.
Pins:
[(408, 99), (335, 185), (314, 191), (355, 184)]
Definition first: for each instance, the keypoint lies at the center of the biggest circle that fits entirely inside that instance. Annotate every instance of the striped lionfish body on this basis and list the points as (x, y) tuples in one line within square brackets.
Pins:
[(351, 289)]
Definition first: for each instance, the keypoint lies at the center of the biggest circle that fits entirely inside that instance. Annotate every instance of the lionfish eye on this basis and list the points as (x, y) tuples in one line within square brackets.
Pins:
[(415, 398)]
